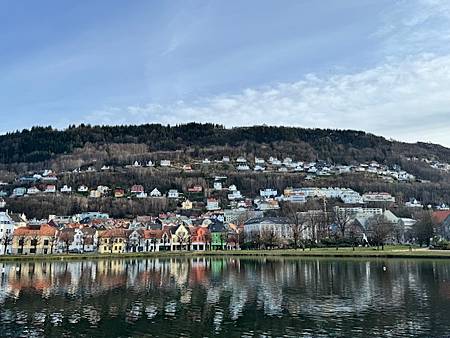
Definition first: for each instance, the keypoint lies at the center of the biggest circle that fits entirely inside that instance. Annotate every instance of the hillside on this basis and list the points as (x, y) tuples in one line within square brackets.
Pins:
[(343, 146)]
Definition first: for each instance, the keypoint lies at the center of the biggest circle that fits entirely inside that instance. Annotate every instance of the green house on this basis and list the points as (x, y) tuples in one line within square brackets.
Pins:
[(218, 235)]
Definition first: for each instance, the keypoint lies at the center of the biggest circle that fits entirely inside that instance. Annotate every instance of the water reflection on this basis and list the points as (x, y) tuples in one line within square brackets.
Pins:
[(227, 297)]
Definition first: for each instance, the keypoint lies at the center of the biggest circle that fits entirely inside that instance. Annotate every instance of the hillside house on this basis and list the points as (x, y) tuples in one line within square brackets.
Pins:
[(155, 193)]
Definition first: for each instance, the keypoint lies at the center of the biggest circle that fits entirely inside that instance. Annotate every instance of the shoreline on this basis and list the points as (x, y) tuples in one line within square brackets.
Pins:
[(291, 253)]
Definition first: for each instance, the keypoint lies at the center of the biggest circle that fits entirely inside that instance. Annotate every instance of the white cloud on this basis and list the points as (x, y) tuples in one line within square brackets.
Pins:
[(405, 97), (408, 101)]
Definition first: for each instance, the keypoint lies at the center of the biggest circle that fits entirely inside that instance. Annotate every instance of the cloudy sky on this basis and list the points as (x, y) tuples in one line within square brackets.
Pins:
[(381, 66)]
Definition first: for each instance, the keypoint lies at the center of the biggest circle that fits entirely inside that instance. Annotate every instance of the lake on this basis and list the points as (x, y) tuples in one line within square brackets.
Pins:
[(226, 297)]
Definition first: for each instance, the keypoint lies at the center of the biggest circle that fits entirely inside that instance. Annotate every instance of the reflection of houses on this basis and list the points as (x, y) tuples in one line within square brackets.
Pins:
[(38, 239)]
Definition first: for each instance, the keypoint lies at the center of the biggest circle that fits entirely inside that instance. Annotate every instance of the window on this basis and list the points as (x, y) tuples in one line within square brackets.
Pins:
[(34, 242), (21, 242), (46, 242)]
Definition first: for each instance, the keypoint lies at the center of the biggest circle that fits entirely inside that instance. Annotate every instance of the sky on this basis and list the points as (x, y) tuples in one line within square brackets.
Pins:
[(382, 66)]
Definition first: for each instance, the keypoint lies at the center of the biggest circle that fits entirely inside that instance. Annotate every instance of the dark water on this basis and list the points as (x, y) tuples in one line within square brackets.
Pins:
[(214, 297)]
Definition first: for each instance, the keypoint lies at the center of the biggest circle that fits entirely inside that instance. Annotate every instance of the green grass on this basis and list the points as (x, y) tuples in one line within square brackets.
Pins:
[(388, 252)]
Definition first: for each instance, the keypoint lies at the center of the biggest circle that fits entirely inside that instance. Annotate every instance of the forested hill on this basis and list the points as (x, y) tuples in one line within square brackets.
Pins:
[(344, 146)]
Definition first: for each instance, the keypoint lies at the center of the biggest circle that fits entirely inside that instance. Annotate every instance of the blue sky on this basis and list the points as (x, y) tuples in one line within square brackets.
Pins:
[(378, 65)]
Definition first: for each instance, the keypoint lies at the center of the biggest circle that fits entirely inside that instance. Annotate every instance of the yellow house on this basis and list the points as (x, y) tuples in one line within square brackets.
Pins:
[(181, 237), (186, 205), (112, 241), (34, 240)]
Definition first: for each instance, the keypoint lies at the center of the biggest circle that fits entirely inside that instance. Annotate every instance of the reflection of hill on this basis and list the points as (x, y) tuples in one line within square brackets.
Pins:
[(216, 294)]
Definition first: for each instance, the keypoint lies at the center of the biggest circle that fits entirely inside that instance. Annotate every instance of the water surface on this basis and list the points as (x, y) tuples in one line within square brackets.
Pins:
[(226, 297)]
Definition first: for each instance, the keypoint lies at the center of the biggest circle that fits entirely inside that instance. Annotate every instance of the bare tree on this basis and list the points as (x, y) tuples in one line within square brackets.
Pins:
[(66, 238), (342, 221), (6, 240), (379, 230)]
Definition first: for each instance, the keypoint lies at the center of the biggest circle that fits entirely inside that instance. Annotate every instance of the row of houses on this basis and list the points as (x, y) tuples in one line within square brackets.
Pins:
[(97, 236)]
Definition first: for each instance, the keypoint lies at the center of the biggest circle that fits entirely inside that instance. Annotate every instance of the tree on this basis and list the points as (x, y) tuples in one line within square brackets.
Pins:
[(424, 229), (269, 238), (379, 230), (342, 221), (66, 238), (6, 240), (296, 223)]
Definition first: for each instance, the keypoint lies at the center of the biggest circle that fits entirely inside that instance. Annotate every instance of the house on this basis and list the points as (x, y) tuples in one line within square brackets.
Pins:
[(142, 195), (136, 241), (112, 240), (442, 219), (186, 205), (77, 239), (150, 164), (119, 193), (18, 192), (50, 188), (136, 164), (83, 189), (269, 204), (66, 189), (206, 161), (259, 168), (156, 240), (173, 193), (259, 160), (268, 193), (137, 189), (377, 197), (155, 193), (38, 239), (105, 168), (6, 233), (187, 167), (217, 185), (279, 227), (95, 194), (180, 237), (413, 203), (218, 235), (232, 188), (225, 159), (200, 238), (2, 203), (242, 167), (212, 204), (241, 159), (235, 194), (165, 163), (33, 191), (103, 189), (195, 189)]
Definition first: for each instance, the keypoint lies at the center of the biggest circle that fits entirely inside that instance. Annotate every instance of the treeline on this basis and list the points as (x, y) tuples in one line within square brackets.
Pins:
[(343, 146)]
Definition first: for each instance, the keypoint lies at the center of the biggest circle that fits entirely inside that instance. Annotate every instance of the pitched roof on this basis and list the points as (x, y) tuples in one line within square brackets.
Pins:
[(44, 230), (440, 216)]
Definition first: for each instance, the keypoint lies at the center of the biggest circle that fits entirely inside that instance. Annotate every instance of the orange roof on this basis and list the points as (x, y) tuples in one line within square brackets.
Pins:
[(117, 232), (441, 215), (44, 230)]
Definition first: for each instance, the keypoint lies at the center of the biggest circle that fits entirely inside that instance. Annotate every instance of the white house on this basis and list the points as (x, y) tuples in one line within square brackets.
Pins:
[(173, 193), (83, 189), (155, 193), (267, 193), (217, 185), (378, 197), (212, 204), (243, 167), (165, 163), (276, 225), (259, 160), (241, 159), (33, 191), (259, 168), (206, 161), (6, 232), (236, 194), (150, 164), (66, 189)]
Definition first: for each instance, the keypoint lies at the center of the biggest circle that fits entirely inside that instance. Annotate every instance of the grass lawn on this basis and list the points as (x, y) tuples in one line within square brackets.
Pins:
[(390, 251)]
